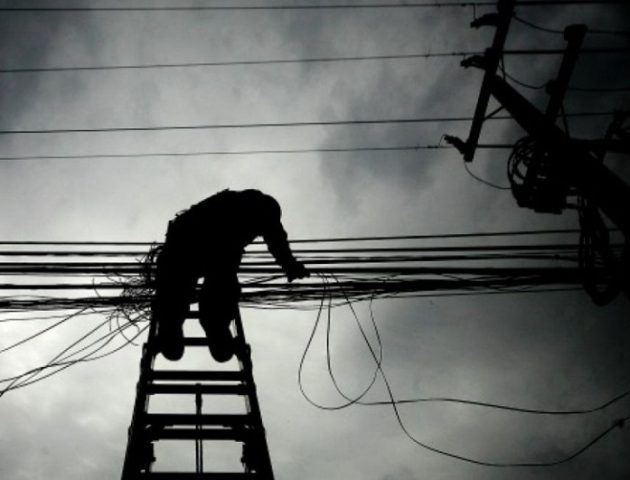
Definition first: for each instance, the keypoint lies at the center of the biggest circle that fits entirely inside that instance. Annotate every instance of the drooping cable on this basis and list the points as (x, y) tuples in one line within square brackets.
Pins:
[(297, 124), (619, 423), (617, 33)]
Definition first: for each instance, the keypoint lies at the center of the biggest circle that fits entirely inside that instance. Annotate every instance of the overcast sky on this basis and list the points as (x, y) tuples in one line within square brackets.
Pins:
[(554, 350)]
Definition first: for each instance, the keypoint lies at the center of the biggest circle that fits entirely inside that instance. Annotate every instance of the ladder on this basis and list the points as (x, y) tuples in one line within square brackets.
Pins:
[(148, 429)]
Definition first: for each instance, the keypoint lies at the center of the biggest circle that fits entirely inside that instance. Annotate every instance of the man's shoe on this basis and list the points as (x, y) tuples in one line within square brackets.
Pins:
[(220, 341), (170, 342)]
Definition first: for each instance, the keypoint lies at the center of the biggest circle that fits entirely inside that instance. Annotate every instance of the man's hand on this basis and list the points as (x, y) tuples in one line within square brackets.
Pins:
[(296, 270)]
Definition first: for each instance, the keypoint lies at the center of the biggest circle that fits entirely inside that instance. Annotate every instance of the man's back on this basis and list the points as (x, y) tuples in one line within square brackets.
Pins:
[(228, 220)]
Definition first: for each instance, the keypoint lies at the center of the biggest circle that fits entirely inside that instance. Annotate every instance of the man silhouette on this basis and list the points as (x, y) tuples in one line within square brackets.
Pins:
[(208, 241)]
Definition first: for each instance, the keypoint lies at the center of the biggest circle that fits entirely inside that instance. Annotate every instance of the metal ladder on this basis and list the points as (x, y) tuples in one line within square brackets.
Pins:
[(202, 429)]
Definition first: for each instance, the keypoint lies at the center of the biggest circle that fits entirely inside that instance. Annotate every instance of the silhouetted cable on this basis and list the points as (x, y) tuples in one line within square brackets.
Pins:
[(219, 126), (312, 240), (484, 181), (509, 408), (78, 243), (380, 250), (236, 63), (537, 27), (306, 7), (616, 424), (377, 358), (68, 357), (234, 8), (522, 83), (571, 88), (33, 336), (319, 240), (228, 153), (597, 31), (240, 62), (402, 148), (323, 257), (559, 51), (599, 89), (245, 125)]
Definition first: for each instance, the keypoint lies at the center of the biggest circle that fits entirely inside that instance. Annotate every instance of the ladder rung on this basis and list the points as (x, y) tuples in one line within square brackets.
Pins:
[(192, 375), (196, 342), (238, 434), (177, 388), (193, 475), (228, 420)]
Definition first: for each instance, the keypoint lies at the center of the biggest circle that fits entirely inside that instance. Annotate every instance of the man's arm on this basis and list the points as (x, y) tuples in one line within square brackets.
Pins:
[(276, 239)]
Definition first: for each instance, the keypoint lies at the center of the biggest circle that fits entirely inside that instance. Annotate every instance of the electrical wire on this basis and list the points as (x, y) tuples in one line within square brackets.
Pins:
[(239, 125), (486, 182), (305, 7), (559, 51), (236, 63), (469, 235), (348, 401), (233, 8), (227, 153), (619, 33), (401, 148), (275, 124), (619, 423), (126, 295), (36, 334), (522, 83), (64, 360), (570, 88)]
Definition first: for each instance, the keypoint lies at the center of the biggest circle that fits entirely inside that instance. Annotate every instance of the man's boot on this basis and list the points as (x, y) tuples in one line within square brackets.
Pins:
[(169, 335)]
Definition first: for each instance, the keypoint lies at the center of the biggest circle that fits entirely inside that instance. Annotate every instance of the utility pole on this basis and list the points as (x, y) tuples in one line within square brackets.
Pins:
[(548, 165)]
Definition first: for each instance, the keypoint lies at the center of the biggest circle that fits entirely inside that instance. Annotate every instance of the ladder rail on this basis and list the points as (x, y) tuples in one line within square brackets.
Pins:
[(261, 456), (146, 428)]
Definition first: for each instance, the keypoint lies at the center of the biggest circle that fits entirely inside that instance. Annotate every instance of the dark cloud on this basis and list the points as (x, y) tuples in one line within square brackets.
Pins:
[(553, 351), (392, 89), (30, 40)]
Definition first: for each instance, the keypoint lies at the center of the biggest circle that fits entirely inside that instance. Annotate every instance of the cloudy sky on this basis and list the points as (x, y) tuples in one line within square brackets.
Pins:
[(552, 351)]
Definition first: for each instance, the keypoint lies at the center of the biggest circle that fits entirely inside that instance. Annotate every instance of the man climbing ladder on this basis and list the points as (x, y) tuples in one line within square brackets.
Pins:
[(208, 241)]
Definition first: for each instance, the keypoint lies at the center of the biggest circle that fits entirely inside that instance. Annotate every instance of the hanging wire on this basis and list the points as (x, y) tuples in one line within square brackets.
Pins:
[(367, 268), (393, 402), (617, 33)]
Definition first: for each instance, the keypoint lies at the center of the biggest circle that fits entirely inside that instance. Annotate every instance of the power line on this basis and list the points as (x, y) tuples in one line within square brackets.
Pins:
[(400, 148), (257, 253), (240, 125), (219, 126), (322, 240), (231, 153), (233, 8), (240, 62), (394, 403), (597, 31), (559, 51), (280, 61), (571, 88), (306, 7)]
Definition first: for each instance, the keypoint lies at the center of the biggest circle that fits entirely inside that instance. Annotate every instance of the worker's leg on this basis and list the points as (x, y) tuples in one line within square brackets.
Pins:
[(218, 306), (173, 293)]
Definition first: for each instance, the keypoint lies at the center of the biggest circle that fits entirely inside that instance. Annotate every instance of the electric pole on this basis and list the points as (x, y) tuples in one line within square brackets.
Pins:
[(548, 165)]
